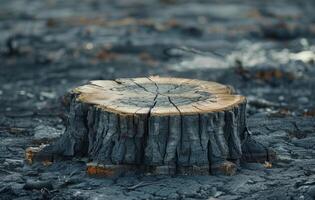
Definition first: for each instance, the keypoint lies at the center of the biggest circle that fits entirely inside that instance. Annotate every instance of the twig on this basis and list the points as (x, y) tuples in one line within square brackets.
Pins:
[(141, 184), (167, 51)]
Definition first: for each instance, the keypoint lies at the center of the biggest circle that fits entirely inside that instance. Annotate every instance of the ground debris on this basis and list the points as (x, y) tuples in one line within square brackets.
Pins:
[(264, 49), (284, 31), (140, 184), (44, 133), (38, 185), (31, 152), (100, 170), (261, 103), (15, 130)]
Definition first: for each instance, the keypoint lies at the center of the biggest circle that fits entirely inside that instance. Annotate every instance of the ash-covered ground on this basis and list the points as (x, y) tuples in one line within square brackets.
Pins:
[(264, 49)]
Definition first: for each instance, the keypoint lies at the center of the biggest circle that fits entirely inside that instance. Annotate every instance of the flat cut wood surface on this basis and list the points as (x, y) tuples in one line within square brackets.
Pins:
[(158, 96)]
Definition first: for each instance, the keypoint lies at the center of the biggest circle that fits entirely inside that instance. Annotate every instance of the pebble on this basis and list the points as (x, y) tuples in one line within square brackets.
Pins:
[(303, 100), (281, 98), (46, 132), (48, 95), (13, 163)]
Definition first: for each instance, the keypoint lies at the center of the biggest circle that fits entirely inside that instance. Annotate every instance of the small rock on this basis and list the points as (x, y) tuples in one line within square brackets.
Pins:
[(48, 95), (43, 132), (218, 193), (303, 100), (281, 98), (304, 56), (13, 162)]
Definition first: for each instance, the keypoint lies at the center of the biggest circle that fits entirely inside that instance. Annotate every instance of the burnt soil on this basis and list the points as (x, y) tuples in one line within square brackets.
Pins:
[(264, 49)]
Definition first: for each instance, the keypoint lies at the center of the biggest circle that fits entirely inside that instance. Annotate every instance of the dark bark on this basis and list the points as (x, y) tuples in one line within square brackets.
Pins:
[(166, 144)]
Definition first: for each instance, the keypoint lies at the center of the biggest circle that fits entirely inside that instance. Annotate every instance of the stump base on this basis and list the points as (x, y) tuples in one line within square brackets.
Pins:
[(165, 125)]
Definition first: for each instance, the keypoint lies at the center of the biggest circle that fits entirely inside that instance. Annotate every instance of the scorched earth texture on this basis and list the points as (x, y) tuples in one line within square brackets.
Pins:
[(263, 48)]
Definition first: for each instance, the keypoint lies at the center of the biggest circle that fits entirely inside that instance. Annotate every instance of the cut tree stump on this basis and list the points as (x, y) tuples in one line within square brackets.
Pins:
[(162, 125)]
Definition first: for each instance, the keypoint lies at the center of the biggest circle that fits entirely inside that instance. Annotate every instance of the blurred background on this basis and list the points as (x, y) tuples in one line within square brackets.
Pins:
[(264, 49)]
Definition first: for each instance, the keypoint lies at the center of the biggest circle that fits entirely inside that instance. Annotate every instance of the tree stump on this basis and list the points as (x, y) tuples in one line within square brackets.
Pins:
[(163, 125)]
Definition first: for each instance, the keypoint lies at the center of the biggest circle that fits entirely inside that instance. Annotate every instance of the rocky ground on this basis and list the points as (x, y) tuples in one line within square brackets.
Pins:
[(264, 49)]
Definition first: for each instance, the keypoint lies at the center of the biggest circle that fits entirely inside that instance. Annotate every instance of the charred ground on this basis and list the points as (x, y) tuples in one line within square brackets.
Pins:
[(263, 49)]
